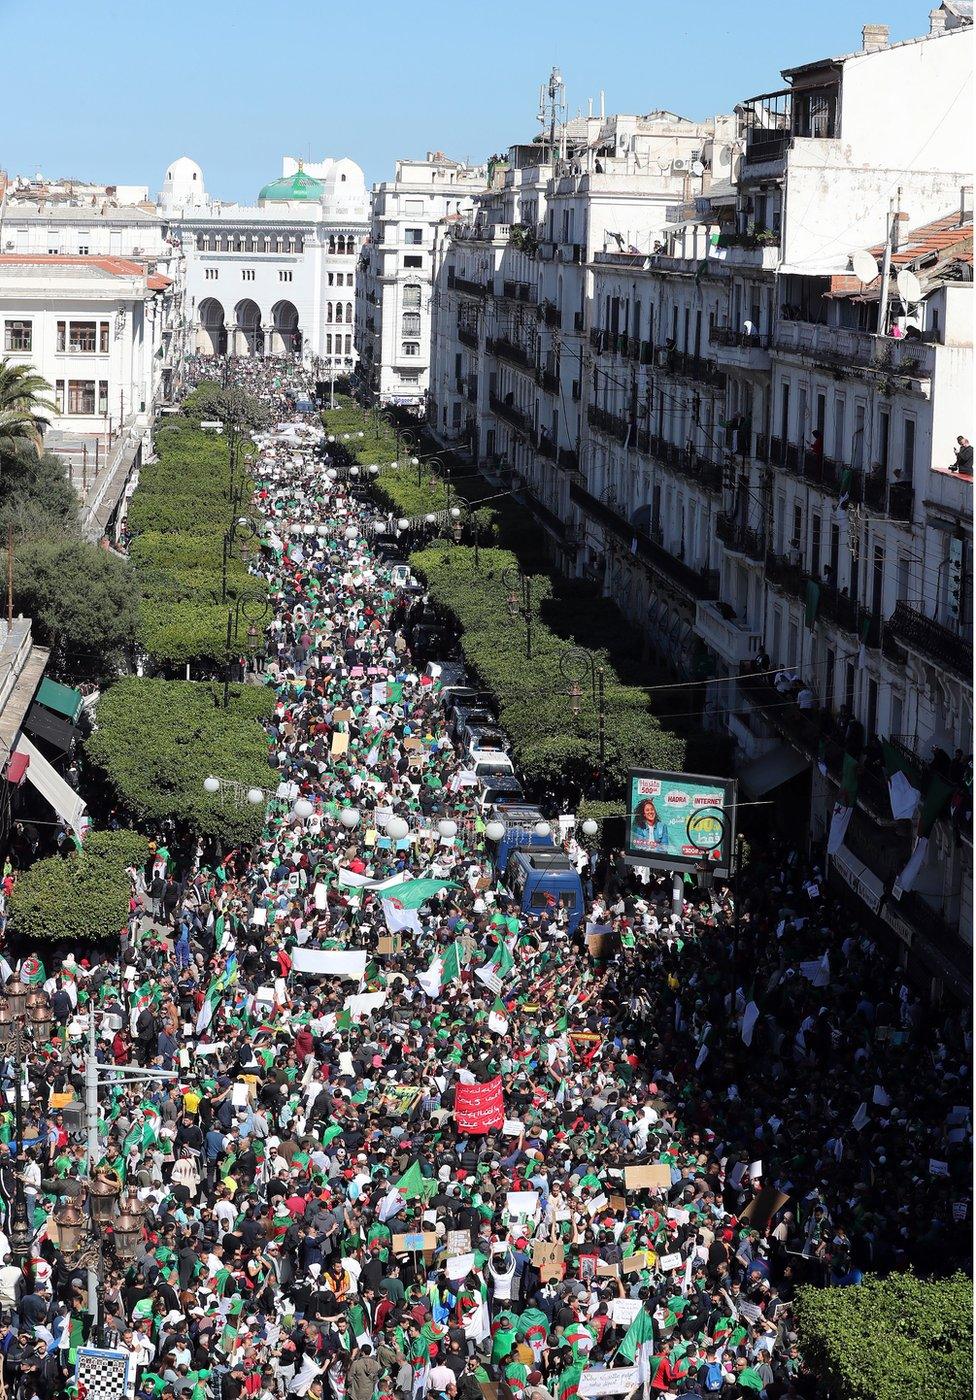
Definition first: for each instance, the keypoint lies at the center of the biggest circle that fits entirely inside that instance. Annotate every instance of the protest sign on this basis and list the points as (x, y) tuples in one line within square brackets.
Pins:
[(389, 943), (937, 1168), (513, 1127), (624, 1310), (749, 1311), (458, 1241), (340, 744), (321, 963), (763, 1207), (959, 1210), (620, 1380), (522, 1204), (548, 1256), (607, 1270), (598, 945), (414, 1243), (460, 1265), (635, 1262), (478, 1108), (655, 1176)]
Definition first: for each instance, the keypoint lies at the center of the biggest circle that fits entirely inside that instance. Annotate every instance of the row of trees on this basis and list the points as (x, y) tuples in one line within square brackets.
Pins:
[(193, 531), (550, 743)]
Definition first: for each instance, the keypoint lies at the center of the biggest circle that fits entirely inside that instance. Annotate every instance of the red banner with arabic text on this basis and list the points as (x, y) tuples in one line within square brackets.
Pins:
[(479, 1107)]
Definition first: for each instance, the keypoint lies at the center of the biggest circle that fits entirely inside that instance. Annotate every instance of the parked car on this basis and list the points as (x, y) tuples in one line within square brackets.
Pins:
[(490, 763), (500, 789), (467, 715), (484, 736)]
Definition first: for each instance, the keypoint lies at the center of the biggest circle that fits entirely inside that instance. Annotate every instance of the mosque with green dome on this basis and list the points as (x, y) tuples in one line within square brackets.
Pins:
[(277, 277)]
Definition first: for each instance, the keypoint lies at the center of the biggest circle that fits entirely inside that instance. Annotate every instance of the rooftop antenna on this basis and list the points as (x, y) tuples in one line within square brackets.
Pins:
[(552, 111)]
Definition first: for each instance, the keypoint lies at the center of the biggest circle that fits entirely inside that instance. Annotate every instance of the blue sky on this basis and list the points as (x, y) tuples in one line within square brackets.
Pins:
[(112, 92)]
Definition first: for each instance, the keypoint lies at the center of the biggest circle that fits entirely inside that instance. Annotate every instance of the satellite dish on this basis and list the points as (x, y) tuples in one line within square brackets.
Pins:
[(865, 267), (909, 287), (697, 168), (723, 156)]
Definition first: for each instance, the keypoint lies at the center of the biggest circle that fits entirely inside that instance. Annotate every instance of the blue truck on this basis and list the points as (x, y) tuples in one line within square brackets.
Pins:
[(537, 874)]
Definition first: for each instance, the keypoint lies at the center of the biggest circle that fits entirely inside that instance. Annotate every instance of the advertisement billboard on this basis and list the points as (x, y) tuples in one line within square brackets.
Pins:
[(675, 821)]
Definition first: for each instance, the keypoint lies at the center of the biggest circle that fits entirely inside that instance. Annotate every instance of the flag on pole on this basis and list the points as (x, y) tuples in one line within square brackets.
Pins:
[(638, 1343), (445, 968), (498, 1017), (228, 1337)]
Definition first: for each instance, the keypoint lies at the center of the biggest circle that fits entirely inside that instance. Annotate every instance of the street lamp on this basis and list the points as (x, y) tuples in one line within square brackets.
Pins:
[(495, 830), (574, 663), (25, 1024), (590, 827), (519, 602), (349, 818)]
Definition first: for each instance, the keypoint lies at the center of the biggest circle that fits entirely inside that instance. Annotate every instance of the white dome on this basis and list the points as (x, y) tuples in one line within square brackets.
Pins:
[(345, 189), (183, 183)]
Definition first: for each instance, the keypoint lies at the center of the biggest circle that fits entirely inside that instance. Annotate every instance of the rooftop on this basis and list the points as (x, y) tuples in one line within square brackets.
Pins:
[(925, 249)]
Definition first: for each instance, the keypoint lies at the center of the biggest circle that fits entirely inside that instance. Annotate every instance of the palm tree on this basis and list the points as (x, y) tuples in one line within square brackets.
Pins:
[(23, 409)]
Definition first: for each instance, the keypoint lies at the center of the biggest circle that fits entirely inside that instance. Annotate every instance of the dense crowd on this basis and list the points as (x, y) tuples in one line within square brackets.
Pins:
[(690, 1127)]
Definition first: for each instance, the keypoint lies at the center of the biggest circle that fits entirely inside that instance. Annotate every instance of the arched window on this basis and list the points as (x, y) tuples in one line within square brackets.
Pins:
[(332, 244), (411, 295), (349, 312), (328, 313)]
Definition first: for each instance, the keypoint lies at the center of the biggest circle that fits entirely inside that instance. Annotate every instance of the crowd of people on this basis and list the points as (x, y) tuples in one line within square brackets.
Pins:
[(679, 1128)]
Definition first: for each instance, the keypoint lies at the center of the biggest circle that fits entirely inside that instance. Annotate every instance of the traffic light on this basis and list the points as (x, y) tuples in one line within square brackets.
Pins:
[(954, 584)]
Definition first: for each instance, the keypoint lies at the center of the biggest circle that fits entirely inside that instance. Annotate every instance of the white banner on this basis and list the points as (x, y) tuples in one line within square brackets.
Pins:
[(620, 1381), (334, 963)]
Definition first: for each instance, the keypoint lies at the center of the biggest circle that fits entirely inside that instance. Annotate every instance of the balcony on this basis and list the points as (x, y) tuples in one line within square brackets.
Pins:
[(937, 643), (467, 286), (893, 499), (572, 253), (578, 320), (568, 459), (468, 336), (697, 583), (548, 379), (471, 388), (848, 349), (747, 250), (550, 315), (599, 340), (740, 539), (729, 638), (546, 447), (685, 461), (740, 349), (833, 477), (509, 413), (506, 349), (620, 429), (683, 365)]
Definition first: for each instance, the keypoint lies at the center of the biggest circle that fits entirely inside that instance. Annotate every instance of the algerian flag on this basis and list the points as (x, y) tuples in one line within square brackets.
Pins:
[(32, 971), (413, 1184), (228, 1337), (446, 967), (568, 1383), (206, 1012), (905, 796), (906, 880), (496, 968), (498, 1018), (411, 894), (749, 1018), (398, 918), (638, 1343), (840, 820)]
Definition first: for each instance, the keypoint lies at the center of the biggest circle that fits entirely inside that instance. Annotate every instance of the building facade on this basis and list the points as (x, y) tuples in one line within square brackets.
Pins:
[(739, 421), (277, 277), (393, 306)]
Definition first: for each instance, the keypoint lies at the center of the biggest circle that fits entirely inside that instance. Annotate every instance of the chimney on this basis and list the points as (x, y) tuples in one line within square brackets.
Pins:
[(937, 21), (874, 37), (965, 205)]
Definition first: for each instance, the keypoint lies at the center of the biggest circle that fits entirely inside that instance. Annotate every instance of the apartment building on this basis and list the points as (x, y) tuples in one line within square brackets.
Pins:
[(737, 415), (394, 290)]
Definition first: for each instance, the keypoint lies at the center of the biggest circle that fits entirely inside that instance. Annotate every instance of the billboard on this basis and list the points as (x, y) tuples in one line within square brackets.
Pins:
[(675, 821)]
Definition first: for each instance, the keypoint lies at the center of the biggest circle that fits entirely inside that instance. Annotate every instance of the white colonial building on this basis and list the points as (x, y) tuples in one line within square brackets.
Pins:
[(393, 311), (277, 277)]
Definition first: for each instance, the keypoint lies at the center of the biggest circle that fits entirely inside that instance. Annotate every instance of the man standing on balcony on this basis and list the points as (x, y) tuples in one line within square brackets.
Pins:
[(964, 457)]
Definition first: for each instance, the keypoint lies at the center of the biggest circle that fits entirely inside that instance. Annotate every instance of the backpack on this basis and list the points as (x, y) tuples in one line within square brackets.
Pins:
[(714, 1377)]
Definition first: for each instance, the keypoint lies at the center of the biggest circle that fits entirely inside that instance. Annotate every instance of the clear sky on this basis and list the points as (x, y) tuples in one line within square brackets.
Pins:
[(112, 91)]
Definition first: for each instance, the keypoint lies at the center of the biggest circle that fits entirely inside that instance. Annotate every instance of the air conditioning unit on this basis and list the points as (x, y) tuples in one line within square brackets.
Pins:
[(679, 164)]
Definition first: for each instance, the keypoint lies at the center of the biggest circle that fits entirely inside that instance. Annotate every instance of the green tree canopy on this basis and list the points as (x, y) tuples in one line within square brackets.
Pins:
[(83, 600), (80, 898), (24, 409), (156, 741), (36, 497), (210, 400), (894, 1338)]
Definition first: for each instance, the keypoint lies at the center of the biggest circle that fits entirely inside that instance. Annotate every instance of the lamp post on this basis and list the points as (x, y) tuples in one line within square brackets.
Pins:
[(239, 523), (574, 663), (466, 519), (519, 602), (25, 1024)]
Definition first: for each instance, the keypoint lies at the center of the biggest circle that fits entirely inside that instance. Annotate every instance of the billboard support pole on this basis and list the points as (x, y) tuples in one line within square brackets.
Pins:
[(677, 893)]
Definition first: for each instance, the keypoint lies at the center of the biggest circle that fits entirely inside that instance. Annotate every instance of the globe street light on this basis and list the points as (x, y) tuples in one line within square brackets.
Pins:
[(590, 827), (397, 828), (302, 809), (495, 830), (349, 818)]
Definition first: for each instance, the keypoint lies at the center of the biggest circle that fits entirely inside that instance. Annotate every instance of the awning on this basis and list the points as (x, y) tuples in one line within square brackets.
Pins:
[(44, 724), (17, 765), (52, 787), (772, 770), (862, 881), (60, 698)]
